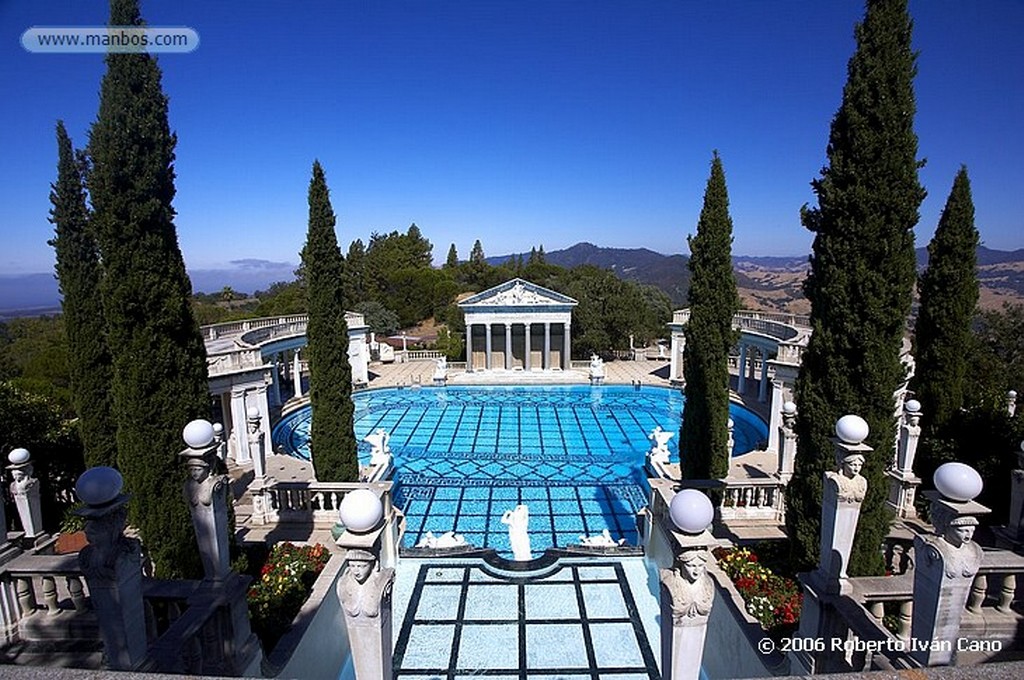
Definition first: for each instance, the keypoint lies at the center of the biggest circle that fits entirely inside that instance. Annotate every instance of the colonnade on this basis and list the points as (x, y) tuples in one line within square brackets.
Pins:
[(518, 346), (750, 357)]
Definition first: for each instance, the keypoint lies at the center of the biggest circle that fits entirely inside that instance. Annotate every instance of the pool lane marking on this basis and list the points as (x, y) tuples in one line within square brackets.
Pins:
[(633, 612), (588, 640)]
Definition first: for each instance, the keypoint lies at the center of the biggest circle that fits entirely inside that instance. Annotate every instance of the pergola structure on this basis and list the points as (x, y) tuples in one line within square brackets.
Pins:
[(518, 326)]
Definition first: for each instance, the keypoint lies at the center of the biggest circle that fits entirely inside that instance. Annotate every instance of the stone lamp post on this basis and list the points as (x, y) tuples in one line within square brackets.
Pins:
[(206, 492), (221, 442), (687, 591), (946, 563), (903, 482), (364, 589), (1011, 402), (112, 566), (25, 491), (787, 442), (843, 492)]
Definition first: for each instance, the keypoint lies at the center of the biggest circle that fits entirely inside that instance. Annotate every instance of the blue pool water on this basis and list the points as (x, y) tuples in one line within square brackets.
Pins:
[(573, 454)]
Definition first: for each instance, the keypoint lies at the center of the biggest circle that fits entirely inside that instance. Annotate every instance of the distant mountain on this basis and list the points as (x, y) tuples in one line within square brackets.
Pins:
[(771, 283)]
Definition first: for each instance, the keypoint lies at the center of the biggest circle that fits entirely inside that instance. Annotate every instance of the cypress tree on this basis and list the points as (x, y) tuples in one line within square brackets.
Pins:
[(452, 261), (861, 277), (942, 335), (713, 301), (159, 361), (78, 270), (332, 441)]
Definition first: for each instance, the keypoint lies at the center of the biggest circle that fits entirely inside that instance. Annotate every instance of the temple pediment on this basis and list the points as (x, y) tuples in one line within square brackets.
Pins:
[(518, 293)]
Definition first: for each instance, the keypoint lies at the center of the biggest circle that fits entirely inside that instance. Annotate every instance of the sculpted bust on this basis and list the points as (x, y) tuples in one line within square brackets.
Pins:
[(851, 486), (960, 555), (689, 586), (202, 484), (364, 588), (107, 544)]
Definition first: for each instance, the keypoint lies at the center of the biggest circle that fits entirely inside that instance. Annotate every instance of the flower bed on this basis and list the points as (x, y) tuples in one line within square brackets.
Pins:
[(773, 600), (284, 584)]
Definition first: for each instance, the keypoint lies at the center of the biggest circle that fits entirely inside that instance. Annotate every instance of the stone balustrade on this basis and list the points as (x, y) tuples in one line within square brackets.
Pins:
[(41, 583), (316, 502), (233, 360), (236, 328), (423, 355), (752, 499)]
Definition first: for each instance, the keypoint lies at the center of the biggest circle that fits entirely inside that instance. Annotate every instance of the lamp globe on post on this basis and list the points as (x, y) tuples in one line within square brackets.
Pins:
[(691, 511), (957, 482), (360, 511), (198, 434)]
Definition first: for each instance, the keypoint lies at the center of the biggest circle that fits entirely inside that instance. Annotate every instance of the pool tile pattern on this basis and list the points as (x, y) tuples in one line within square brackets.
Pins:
[(579, 622)]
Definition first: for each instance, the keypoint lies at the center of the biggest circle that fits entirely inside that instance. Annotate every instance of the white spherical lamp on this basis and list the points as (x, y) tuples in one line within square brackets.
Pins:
[(691, 511), (912, 406), (957, 482), (789, 408), (18, 456), (99, 485), (360, 510), (198, 433), (218, 429), (252, 413), (852, 429)]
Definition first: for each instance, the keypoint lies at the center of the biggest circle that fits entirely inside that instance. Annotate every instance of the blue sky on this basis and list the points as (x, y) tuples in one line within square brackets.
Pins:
[(518, 123)]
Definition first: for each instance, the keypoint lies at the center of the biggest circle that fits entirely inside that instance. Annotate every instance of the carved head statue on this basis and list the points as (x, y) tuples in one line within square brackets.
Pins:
[(960, 531), (852, 465), (198, 469), (361, 564), (693, 564)]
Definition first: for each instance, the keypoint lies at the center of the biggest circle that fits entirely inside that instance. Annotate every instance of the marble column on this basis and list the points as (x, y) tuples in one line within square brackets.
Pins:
[(206, 494), (903, 482), (257, 442), (547, 346), (469, 348), (275, 385), (508, 347), (776, 415), (263, 404), (487, 346), (944, 569), (238, 430), (297, 374), (1011, 402), (741, 384), (25, 492), (567, 349), (112, 566), (762, 390), (787, 442), (527, 329), (755, 353)]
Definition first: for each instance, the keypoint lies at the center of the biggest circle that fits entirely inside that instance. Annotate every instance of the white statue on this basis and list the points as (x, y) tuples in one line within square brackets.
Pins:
[(448, 539), (364, 589), (851, 485), (660, 437), (602, 540), (518, 520), (441, 371), (689, 586), (380, 451)]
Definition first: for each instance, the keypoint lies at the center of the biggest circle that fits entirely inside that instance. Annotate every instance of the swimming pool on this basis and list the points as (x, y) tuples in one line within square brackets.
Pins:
[(573, 454)]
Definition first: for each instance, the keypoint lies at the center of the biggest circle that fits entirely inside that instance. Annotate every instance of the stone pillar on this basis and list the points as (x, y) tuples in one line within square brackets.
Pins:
[(527, 364), (238, 429), (364, 591), (487, 346), (25, 492), (741, 383), (842, 495), (1011, 402), (755, 352), (206, 493), (762, 390), (903, 482), (787, 442), (687, 592), (730, 445), (567, 349), (547, 345), (262, 403), (775, 420), (275, 383), (508, 347), (1015, 525), (945, 565), (297, 374), (112, 566), (469, 348)]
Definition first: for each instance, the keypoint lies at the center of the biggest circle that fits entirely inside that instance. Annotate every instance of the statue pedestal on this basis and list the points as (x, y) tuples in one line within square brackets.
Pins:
[(681, 659), (902, 491), (838, 526), (1015, 525), (364, 591)]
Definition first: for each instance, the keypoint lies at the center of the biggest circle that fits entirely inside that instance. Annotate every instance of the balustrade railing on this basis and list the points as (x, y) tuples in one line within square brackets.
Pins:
[(235, 328), (51, 583), (423, 355), (311, 502), (752, 499), (235, 360)]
